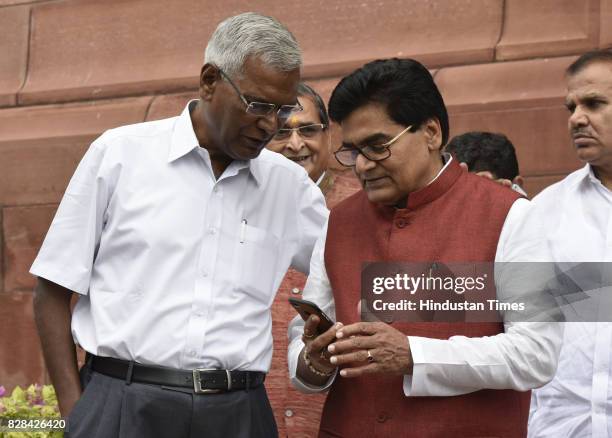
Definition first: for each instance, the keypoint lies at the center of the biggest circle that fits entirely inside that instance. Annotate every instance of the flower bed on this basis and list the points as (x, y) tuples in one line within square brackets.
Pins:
[(37, 403)]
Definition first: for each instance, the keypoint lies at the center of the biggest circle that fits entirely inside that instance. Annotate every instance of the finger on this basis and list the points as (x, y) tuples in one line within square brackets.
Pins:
[(359, 371), (359, 328), (485, 174), (352, 357), (464, 166), (351, 344), (310, 328), (504, 182), (322, 341)]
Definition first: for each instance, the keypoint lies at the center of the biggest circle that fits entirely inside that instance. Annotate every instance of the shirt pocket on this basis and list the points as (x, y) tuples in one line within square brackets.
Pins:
[(256, 261)]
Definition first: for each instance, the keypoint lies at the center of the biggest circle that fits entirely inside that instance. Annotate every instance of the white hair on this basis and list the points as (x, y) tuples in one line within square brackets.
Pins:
[(251, 34)]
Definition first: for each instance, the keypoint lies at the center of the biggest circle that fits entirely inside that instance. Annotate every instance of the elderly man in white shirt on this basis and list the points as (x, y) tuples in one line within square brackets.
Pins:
[(176, 234), (578, 215)]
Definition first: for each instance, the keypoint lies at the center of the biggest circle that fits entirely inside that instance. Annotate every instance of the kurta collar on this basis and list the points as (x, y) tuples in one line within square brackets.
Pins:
[(436, 188), (440, 185), (183, 138)]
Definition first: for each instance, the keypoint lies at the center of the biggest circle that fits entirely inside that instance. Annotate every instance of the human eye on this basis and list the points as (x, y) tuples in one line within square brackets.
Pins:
[(282, 134), (376, 149), (310, 130), (594, 103)]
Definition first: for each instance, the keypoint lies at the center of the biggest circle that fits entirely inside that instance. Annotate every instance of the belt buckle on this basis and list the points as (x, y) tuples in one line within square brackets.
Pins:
[(197, 381)]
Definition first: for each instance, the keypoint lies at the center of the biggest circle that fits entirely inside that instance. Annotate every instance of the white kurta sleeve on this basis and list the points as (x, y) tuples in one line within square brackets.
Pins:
[(522, 358), (312, 215), (317, 290)]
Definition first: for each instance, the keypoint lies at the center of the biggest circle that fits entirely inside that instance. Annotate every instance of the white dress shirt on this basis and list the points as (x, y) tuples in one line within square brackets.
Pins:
[(175, 267), (460, 364), (578, 401)]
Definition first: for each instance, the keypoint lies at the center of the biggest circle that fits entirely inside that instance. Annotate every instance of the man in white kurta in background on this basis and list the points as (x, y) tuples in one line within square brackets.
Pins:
[(578, 216)]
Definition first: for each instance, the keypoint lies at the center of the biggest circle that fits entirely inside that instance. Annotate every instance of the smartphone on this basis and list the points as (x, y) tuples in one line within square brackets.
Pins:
[(307, 308)]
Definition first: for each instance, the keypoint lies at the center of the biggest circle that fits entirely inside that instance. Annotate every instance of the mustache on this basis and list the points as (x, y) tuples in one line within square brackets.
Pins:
[(580, 133)]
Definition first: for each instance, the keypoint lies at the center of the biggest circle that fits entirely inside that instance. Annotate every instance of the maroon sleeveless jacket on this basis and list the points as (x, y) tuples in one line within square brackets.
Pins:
[(457, 218)]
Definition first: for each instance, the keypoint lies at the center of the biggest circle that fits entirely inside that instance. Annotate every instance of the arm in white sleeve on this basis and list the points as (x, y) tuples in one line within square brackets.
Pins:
[(522, 358), (68, 251), (317, 290), (312, 214)]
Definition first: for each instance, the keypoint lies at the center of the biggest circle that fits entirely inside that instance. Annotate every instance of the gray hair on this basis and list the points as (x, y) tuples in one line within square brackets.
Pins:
[(251, 34)]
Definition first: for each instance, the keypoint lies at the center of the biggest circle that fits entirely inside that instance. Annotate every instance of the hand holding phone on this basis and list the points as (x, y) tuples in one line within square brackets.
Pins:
[(307, 308)]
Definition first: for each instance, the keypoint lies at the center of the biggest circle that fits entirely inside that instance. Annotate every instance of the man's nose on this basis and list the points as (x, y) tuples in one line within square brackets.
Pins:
[(268, 123), (295, 142), (362, 164), (578, 118)]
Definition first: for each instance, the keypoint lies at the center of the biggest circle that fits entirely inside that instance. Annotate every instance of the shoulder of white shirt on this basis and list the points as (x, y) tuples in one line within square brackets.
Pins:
[(143, 129), (569, 183)]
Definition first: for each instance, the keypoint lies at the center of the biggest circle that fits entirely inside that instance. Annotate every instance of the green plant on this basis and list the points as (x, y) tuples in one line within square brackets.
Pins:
[(36, 403)]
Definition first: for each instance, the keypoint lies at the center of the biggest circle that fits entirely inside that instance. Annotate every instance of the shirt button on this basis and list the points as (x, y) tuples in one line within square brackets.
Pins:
[(295, 290), (204, 274), (193, 353), (212, 230)]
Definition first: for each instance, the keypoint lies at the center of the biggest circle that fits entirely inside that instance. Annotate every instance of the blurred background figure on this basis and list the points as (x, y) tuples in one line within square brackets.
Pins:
[(305, 138), (488, 154)]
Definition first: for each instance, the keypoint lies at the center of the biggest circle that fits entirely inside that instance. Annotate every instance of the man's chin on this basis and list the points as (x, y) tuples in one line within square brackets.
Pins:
[(380, 196)]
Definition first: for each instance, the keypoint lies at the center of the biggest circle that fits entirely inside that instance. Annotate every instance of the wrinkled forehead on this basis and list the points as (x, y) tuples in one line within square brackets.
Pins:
[(369, 122), (308, 116), (266, 83), (593, 80)]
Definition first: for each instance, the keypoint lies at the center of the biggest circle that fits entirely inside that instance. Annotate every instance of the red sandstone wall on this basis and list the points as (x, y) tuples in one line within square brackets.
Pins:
[(69, 69)]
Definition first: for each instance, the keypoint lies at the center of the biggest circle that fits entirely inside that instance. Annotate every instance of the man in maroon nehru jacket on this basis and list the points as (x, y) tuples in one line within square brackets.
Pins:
[(426, 379)]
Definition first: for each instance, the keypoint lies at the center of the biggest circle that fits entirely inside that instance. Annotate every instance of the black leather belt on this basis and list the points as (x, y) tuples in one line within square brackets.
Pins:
[(202, 381)]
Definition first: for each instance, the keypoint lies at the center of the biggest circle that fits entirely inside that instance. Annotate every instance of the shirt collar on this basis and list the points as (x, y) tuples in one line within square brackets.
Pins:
[(184, 141), (183, 138), (254, 167), (320, 180)]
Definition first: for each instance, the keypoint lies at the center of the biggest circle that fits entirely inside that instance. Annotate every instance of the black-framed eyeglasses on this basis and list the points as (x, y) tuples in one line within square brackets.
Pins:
[(264, 109), (306, 131), (348, 156)]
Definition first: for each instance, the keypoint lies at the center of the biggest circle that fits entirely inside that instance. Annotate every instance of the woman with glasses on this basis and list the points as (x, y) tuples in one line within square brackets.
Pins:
[(398, 378)]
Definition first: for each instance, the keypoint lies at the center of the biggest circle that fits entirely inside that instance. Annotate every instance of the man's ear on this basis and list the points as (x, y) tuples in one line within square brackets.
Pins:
[(433, 134), (209, 78), (518, 180)]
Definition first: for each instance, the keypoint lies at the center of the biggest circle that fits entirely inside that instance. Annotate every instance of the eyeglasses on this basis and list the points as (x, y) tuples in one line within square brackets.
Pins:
[(347, 156), (264, 109), (307, 131)]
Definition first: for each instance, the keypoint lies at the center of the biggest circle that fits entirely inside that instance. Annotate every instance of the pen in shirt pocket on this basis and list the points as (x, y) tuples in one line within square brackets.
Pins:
[(243, 226)]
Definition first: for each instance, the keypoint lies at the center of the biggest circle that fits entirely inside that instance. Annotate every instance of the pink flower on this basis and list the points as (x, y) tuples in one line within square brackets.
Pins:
[(2, 391)]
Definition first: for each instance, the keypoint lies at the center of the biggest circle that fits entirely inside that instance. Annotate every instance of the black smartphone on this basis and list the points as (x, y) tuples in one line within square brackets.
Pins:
[(307, 308)]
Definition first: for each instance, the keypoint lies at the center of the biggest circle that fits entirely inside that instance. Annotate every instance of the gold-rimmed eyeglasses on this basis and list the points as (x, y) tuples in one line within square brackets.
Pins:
[(306, 131), (347, 156)]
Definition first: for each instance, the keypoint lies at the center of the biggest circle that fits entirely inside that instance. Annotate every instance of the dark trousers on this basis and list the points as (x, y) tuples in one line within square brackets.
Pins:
[(111, 408)]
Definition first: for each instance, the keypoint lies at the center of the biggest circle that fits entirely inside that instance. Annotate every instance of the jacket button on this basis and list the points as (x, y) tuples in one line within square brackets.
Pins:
[(400, 223), (382, 417)]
